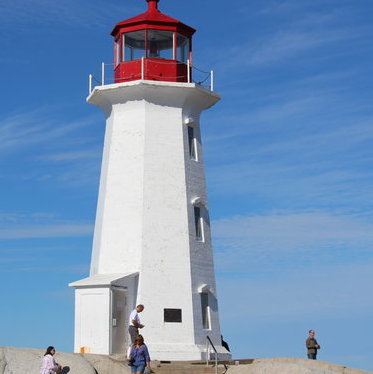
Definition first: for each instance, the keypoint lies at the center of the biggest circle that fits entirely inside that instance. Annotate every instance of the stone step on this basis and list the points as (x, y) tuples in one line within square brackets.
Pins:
[(185, 367), (188, 367), (201, 363)]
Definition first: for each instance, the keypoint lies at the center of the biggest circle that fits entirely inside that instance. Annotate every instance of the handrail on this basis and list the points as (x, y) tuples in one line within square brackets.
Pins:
[(208, 340), (206, 76)]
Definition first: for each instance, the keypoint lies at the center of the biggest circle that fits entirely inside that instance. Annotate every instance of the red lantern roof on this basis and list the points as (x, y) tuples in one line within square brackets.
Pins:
[(154, 19)]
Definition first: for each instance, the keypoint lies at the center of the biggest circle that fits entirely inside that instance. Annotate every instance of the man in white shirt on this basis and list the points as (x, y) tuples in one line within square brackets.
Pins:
[(134, 323)]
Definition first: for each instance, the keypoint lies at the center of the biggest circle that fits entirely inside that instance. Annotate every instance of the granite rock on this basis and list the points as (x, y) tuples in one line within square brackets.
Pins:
[(28, 360), (292, 366)]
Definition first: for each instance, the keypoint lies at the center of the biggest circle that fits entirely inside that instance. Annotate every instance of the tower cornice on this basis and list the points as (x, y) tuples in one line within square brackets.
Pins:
[(157, 92)]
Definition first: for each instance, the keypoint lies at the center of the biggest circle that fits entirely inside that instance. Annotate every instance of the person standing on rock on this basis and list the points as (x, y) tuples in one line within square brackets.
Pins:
[(134, 323), (312, 345), (49, 365)]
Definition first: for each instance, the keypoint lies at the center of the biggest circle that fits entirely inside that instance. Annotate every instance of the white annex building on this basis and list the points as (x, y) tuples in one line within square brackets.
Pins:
[(152, 242)]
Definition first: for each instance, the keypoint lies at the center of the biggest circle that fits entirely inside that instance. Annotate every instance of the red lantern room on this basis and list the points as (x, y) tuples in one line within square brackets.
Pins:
[(152, 46)]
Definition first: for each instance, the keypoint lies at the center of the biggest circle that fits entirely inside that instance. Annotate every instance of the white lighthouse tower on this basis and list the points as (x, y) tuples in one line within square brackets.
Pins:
[(152, 242)]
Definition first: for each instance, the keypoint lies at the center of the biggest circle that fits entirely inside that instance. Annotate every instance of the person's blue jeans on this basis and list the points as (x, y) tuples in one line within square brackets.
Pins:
[(311, 356), (138, 369)]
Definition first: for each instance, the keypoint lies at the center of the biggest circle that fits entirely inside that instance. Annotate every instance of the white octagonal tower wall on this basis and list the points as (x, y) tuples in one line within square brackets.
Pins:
[(150, 190), (117, 236)]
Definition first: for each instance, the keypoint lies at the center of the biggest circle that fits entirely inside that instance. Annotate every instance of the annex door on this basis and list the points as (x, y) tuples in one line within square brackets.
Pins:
[(118, 319)]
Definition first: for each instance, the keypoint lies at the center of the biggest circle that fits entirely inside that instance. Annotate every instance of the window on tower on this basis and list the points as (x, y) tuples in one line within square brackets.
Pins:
[(206, 318), (134, 45), (198, 220), (192, 142), (160, 44)]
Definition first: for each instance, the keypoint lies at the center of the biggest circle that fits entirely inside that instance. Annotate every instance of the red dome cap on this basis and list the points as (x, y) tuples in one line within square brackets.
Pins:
[(153, 18), (153, 4)]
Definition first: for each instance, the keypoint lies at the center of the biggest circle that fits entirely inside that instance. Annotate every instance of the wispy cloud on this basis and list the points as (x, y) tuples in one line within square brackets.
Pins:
[(272, 8), (310, 29), (60, 269), (47, 231), (9, 260), (14, 217), (307, 142), (287, 44), (39, 248), (318, 169), (73, 13), (40, 225), (336, 9), (74, 155), (291, 231), (68, 152), (34, 127), (322, 291)]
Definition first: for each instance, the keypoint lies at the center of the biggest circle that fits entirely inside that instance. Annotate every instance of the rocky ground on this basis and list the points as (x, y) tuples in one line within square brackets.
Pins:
[(27, 361), (292, 366)]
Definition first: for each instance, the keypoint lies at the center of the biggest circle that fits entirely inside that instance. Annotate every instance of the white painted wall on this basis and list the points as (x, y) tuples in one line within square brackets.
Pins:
[(92, 320), (95, 308), (118, 228), (145, 214)]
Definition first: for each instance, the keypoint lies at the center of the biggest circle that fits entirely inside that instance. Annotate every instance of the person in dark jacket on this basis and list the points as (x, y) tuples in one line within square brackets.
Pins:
[(312, 345)]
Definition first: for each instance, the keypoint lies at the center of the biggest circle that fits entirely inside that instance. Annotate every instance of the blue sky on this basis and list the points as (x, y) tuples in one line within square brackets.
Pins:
[(288, 155)]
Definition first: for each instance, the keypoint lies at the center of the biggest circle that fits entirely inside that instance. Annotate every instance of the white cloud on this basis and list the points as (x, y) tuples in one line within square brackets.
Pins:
[(295, 228), (297, 28), (295, 264), (9, 260), (14, 217), (40, 248), (63, 269), (243, 243), (40, 225), (62, 230), (310, 142), (74, 155), (74, 13), (322, 291), (35, 127), (44, 141)]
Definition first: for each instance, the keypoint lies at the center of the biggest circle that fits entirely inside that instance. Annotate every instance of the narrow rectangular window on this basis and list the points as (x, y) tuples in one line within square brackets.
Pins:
[(206, 322), (192, 143), (198, 223)]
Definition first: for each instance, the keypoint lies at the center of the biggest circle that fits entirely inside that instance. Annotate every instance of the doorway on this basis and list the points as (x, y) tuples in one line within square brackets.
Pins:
[(119, 340)]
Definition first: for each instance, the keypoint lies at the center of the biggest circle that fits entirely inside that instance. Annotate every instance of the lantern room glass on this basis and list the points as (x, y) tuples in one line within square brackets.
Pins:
[(183, 48), (134, 45), (160, 44)]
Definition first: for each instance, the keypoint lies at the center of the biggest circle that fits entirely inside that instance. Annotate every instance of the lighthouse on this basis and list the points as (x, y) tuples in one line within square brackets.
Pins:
[(152, 241)]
